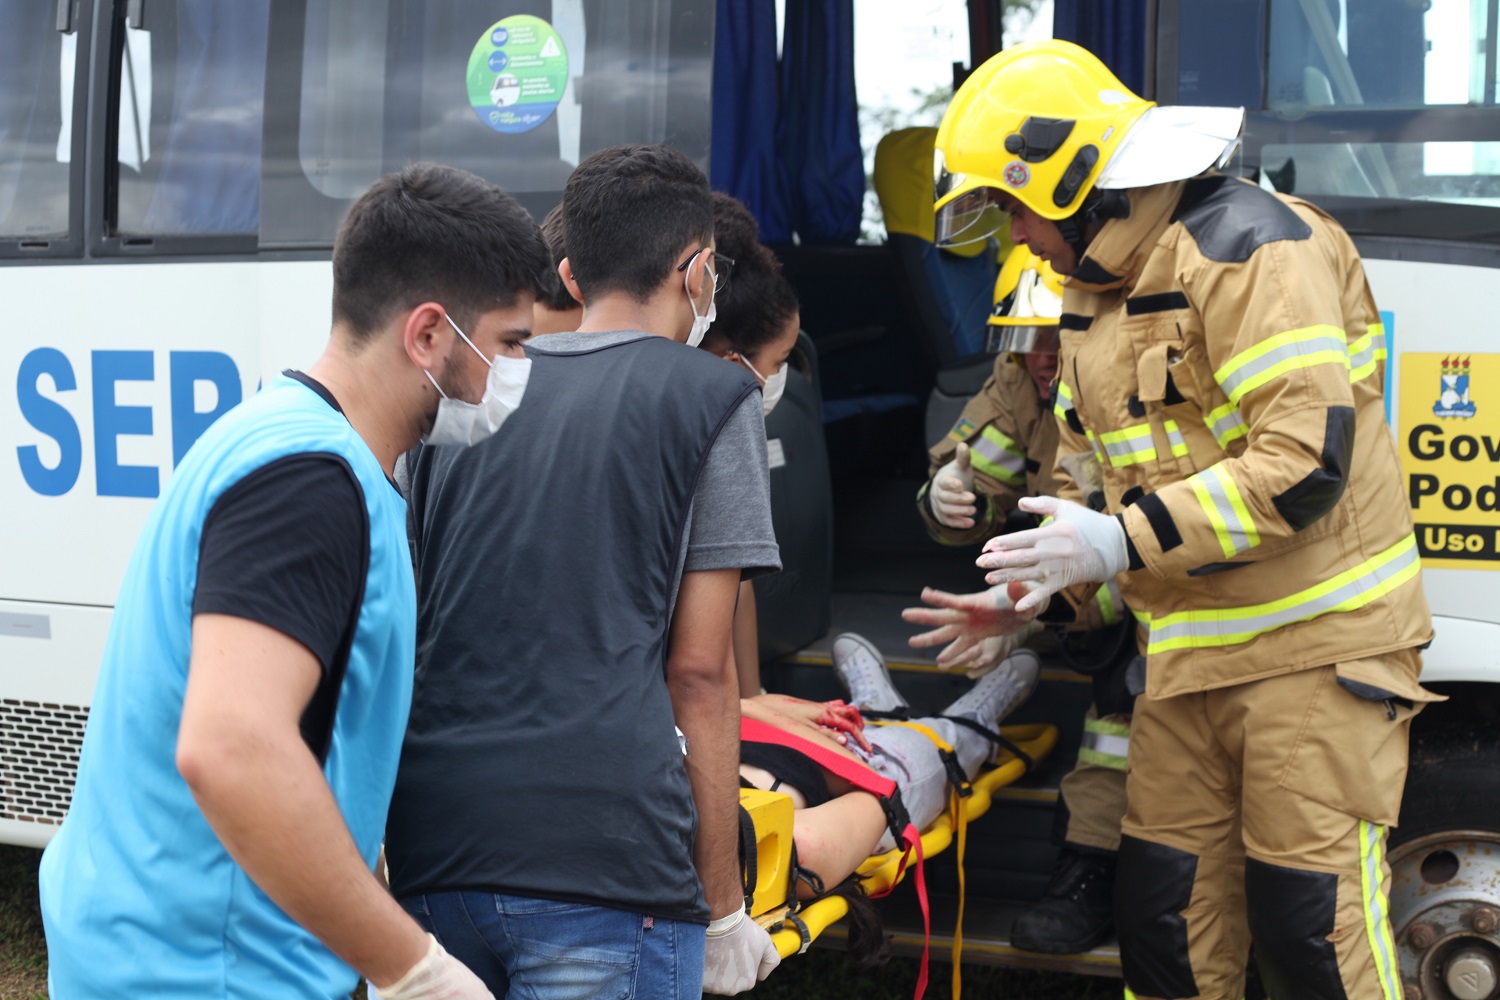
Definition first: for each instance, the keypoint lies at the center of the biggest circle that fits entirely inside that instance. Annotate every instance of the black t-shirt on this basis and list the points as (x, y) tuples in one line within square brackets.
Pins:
[(288, 546)]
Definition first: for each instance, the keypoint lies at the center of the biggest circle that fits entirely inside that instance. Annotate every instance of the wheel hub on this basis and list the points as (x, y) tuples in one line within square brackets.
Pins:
[(1445, 908)]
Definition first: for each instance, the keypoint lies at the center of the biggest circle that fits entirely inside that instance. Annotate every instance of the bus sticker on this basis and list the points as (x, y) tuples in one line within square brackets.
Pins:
[(517, 73), (1450, 454)]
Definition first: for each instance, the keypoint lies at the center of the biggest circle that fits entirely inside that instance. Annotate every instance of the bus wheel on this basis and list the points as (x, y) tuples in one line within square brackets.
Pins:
[(1445, 867)]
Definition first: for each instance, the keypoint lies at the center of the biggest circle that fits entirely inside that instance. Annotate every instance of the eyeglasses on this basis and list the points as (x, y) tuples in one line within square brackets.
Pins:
[(720, 268)]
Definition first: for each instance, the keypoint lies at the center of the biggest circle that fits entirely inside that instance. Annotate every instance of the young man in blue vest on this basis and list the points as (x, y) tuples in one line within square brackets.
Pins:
[(577, 580), (243, 737)]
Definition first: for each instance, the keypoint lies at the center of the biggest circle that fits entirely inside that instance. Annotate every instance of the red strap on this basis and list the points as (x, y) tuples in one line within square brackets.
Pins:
[(865, 780), (850, 770)]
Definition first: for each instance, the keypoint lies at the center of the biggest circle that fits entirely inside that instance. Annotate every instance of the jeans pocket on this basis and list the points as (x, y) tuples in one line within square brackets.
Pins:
[(572, 932)]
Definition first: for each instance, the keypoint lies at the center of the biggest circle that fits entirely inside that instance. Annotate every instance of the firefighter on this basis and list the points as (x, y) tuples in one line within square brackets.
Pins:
[(1001, 449), (1222, 362)]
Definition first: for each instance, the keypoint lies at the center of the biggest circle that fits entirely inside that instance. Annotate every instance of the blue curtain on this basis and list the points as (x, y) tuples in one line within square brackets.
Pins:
[(746, 108), (819, 135), (797, 164), (1113, 30)]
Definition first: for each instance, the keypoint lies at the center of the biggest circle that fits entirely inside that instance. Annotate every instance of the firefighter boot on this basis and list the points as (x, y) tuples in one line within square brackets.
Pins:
[(1076, 913)]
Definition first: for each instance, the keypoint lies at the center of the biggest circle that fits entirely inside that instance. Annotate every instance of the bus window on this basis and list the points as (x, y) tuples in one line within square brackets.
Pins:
[(1373, 60), (516, 94), (191, 84), (36, 96)]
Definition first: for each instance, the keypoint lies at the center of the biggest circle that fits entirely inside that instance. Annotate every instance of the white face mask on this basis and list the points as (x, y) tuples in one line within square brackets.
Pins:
[(464, 423), (700, 323), (771, 388)]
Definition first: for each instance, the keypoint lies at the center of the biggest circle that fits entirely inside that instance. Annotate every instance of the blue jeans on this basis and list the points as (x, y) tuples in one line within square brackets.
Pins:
[(537, 949)]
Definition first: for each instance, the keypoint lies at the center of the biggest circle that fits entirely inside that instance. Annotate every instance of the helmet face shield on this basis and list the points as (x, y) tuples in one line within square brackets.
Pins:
[(1026, 339), (969, 218)]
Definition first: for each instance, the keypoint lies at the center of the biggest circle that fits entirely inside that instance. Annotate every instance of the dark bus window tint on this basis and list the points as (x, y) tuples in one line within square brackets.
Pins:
[(517, 95), (1220, 44), (192, 83), (36, 97)]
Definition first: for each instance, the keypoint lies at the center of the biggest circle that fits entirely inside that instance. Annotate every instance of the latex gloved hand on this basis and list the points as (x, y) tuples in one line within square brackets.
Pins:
[(965, 620), (985, 655), (1078, 545), (737, 955), (952, 492), (438, 976)]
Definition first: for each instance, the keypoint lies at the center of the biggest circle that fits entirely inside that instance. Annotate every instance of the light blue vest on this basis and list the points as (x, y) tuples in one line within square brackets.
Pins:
[(139, 897)]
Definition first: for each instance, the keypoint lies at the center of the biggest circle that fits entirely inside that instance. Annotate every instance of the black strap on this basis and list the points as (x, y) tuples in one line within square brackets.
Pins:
[(749, 857), (898, 715), (1000, 741)]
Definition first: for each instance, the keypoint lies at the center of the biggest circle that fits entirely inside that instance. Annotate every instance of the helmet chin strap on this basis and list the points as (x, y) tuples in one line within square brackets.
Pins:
[(1098, 208)]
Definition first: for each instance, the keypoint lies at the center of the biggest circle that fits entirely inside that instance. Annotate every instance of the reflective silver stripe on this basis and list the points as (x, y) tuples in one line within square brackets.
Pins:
[(1314, 345), (1129, 445), (1106, 743), (1366, 352), (1347, 591), (997, 456), (1175, 439), (1226, 424), (1234, 525)]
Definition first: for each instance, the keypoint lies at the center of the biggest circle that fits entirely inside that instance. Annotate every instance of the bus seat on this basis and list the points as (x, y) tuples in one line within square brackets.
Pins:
[(947, 292), (795, 606)]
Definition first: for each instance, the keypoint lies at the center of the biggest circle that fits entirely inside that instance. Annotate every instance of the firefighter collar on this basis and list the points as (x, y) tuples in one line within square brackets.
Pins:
[(1118, 254)]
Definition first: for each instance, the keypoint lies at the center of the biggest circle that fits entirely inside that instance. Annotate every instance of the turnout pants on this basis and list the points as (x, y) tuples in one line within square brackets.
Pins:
[(1260, 810), (1094, 791)]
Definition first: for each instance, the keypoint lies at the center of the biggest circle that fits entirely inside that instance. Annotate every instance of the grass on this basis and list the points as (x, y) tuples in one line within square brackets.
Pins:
[(824, 974)]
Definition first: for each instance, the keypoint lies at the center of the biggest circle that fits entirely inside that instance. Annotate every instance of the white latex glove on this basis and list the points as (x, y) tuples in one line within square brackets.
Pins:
[(986, 654), (952, 492), (738, 954), (438, 976), (965, 620), (1078, 545)]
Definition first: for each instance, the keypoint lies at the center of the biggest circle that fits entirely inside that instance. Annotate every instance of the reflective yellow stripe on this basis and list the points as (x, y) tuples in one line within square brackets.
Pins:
[(1107, 597), (998, 457), (1377, 916), (1105, 744), (1354, 588), (1304, 348), (1226, 424), (1366, 353), (1063, 403), (1128, 445), (1175, 439), (1221, 501)]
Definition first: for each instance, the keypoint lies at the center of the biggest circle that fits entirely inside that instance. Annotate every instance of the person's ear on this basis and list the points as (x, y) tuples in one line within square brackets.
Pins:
[(565, 272), (426, 336)]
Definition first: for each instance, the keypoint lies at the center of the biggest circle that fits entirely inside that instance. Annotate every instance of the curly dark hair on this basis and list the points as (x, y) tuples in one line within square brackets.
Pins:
[(755, 308)]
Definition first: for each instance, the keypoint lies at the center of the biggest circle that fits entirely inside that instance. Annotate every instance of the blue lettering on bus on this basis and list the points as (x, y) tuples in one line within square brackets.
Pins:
[(52, 419), (187, 369), (112, 421)]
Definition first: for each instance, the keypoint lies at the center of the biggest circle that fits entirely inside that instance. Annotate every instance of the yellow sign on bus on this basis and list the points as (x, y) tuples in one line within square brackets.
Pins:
[(1450, 455)]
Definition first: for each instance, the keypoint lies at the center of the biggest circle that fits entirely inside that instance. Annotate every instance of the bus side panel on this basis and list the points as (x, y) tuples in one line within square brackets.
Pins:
[(1437, 313)]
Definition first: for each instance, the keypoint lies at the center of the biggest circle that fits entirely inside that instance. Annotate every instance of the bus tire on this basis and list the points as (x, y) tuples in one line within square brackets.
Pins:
[(1445, 864)]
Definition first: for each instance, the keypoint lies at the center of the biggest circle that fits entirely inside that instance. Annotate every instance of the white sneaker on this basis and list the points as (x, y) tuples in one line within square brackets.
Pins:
[(1001, 691), (862, 669)]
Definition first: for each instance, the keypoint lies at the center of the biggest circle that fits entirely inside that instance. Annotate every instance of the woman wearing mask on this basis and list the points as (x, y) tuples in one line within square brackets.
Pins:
[(756, 325)]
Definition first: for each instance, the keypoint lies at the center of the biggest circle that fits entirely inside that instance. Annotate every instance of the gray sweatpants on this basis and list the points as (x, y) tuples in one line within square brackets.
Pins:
[(911, 760)]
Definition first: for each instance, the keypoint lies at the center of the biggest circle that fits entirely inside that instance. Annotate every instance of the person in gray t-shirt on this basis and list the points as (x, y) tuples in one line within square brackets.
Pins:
[(577, 583)]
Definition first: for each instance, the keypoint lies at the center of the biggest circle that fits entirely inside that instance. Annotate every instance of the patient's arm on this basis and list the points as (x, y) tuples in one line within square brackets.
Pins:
[(835, 838)]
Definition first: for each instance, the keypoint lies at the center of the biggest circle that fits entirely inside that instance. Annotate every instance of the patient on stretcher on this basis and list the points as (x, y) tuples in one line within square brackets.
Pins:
[(837, 826)]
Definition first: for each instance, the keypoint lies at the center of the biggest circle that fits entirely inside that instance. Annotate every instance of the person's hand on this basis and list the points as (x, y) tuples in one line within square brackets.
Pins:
[(738, 954), (438, 976), (986, 654), (964, 620), (1078, 545), (952, 492), (845, 720)]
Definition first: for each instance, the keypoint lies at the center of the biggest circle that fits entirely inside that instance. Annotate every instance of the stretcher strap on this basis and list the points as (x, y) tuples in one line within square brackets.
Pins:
[(996, 738), (884, 789)]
